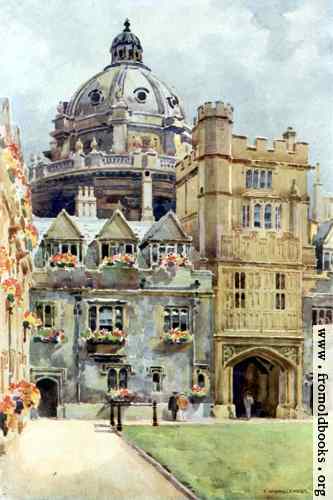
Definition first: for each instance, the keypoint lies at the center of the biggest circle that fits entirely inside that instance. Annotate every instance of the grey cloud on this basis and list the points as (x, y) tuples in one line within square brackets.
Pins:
[(271, 60)]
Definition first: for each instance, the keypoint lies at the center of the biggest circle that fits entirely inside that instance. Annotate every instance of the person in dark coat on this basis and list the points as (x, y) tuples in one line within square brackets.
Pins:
[(173, 405)]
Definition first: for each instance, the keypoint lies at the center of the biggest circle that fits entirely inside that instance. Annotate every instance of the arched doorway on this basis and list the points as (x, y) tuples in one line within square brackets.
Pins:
[(49, 397), (260, 377)]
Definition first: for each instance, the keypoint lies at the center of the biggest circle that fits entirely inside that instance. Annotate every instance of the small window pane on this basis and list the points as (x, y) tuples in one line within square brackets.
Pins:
[(105, 250), (112, 379), (123, 378), (237, 302), (268, 217), (175, 318), (236, 280), (73, 249), (249, 178), (156, 382), (48, 316), (184, 319), (257, 215), (92, 318), (105, 318), (167, 320), (256, 179), (329, 316), (64, 248), (119, 317), (243, 300), (129, 249), (263, 179), (242, 283), (269, 179), (278, 218)]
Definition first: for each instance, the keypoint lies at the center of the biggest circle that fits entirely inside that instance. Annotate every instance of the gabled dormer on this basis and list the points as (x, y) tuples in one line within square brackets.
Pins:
[(62, 237), (116, 237), (164, 237)]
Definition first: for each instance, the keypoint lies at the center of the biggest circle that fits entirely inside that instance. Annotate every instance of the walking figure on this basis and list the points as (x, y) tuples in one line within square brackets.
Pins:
[(173, 405), (248, 402)]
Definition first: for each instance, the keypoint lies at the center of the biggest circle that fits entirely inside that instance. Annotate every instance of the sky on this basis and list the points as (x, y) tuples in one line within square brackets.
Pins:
[(272, 60)]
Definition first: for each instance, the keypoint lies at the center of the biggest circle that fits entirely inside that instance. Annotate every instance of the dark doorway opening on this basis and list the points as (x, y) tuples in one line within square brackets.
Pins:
[(261, 378), (49, 397)]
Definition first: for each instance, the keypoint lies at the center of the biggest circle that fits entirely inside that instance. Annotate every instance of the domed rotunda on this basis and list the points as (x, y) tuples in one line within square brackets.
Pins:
[(115, 143)]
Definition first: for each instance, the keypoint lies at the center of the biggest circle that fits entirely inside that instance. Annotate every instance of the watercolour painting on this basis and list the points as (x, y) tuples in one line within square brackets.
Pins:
[(166, 248)]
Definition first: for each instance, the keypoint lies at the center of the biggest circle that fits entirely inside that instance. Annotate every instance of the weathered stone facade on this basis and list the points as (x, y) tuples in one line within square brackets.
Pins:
[(246, 207), (144, 301), (15, 259)]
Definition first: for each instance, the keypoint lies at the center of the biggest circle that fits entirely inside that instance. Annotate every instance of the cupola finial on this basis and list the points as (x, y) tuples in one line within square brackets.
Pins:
[(127, 24)]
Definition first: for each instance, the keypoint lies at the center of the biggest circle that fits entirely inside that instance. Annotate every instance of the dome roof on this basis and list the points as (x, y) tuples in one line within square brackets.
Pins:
[(130, 83), (126, 80)]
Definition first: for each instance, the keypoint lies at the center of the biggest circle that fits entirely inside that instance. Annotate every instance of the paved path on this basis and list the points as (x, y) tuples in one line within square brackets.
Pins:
[(75, 459)]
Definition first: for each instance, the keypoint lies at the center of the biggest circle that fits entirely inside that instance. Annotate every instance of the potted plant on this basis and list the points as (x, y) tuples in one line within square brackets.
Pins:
[(173, 259), (198, 393), (120, 261), (176, 336), (63, 260), (50, 336)]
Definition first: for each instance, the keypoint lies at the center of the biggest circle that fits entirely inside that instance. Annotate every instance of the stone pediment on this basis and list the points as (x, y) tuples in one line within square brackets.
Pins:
[(63, 228), (117, 228), (168, 228)]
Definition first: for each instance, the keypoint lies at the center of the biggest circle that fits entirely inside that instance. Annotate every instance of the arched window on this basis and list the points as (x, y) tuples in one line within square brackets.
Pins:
[(263, 178), (249, 178), (278, 218), (183, 319), (257, 215), (256, 179), (112, 379), (201, 380), (156, 382), (123, 379), (268, 216)]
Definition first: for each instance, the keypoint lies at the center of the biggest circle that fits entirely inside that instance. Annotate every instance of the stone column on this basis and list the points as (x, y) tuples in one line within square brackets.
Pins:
[(147, 197)]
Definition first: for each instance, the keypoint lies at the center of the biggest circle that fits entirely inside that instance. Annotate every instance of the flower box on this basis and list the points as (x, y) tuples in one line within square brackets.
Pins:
[(173, 259), (103, 341), (198, 393), (120, 261), (50, 336), (63, 260), (176, 336), (120, 395)]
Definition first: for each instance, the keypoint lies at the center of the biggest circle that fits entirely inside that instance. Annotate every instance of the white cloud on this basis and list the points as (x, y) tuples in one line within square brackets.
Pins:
[(271, 60)]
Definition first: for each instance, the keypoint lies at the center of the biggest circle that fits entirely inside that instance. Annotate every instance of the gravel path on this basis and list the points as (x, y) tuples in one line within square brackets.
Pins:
[(75, 459)]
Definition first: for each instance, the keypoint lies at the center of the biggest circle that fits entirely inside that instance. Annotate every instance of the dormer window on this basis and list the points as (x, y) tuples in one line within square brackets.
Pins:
[(111, 248), (160, 250), (52, 248)]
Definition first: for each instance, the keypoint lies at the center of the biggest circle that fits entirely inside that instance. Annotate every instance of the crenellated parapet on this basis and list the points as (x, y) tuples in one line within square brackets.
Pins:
[(215, 109), (280, 150)]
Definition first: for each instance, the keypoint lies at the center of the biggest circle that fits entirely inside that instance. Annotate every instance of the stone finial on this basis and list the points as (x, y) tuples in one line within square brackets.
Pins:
[(294, 191), (94, 145), (79, 146), (317, 173)]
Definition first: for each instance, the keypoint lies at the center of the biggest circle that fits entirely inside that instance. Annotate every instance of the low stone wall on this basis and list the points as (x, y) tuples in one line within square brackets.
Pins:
[(86, 411)]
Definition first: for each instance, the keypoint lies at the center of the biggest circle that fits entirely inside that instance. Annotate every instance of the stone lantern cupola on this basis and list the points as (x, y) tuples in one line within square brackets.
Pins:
[(126, 47)]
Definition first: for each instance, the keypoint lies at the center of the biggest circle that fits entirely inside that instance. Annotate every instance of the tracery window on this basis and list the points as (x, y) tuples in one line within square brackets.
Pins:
[(175, 317), (240, 284), (258, 179), (268, 216), (257, 215), (45, 311), (322, 316), (280, 297), (106, 317), (118, 378)]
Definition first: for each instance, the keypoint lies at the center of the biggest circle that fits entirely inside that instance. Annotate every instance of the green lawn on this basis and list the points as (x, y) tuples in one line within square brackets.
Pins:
[(234, 461)]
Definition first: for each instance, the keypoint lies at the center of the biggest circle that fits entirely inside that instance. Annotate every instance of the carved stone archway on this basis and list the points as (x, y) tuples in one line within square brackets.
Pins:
[(277, 367)]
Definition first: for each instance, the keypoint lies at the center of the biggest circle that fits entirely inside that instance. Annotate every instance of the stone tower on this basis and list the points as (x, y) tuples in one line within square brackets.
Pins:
[(246, 207)]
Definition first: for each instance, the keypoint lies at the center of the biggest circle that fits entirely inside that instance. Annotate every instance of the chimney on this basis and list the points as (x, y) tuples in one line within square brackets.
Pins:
[(147, 197), (85, 202), (290, 136)]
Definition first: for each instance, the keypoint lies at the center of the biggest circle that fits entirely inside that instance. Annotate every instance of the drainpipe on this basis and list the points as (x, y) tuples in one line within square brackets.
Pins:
[(76, 345)]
